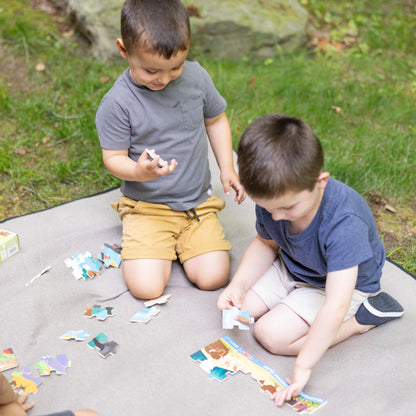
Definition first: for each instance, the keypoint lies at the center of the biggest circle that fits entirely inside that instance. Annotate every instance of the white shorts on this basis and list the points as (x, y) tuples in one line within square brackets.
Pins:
[(278, 286)]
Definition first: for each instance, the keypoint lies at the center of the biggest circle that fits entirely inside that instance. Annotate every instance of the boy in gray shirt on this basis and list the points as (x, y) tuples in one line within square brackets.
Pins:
[(168, 105)]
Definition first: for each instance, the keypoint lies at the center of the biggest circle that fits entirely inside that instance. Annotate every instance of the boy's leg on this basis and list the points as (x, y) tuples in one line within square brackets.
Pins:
[(85, 412), (149, 238), (254, 304), (202, 247), (281, 331), (208, 271), (146, 278)]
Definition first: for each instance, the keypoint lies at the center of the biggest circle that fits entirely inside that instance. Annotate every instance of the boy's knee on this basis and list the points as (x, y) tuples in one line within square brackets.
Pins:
[(210, 281), (269, 339), (146, 279), (209, 271)]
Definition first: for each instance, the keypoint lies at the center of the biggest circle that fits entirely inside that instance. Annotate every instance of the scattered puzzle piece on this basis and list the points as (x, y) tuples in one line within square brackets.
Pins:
[(235, 317), (83, 265), (110, 255), (225, 356), (48, 364), (25, 382), (7, 359), (103, 346), (144, 315), (159, 301), (101, 313), (77, 335)]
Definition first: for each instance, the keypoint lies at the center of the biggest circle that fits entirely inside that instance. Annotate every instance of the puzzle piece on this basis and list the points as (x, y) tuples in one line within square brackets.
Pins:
[(159, 301), (110, 255), (145, 314), (103, 346), (83, 265), (25, 382), (7, 359), (48, 364), (224, 356), (77, 335), (235, 317), (101, 313)]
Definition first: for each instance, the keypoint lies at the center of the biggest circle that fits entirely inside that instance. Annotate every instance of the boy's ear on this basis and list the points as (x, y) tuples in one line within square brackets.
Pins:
[(323, 179), (121, 48)]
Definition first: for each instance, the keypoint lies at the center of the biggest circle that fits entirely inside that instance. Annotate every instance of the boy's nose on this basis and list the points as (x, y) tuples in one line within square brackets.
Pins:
[(278, 216), (164, 78)]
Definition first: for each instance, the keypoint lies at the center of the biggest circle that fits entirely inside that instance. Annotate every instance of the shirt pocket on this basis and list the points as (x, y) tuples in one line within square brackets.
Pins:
[(192, 112)]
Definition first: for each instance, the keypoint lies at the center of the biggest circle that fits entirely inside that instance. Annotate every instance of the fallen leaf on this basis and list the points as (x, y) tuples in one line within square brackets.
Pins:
[(20, 151), (68, 33), (103, 79), (389, 208), (322, 43), (252, 82), (337, 109), (40, 67)]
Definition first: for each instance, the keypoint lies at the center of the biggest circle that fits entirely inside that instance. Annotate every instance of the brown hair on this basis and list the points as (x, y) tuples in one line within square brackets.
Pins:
[(159, 26), (278, 154)]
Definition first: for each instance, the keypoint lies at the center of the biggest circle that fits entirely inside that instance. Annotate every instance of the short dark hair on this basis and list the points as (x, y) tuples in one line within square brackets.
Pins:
[(159, 26), (278, 154)]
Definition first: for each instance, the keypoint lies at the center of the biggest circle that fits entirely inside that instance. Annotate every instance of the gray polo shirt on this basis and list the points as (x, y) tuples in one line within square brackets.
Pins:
[(171, 121)]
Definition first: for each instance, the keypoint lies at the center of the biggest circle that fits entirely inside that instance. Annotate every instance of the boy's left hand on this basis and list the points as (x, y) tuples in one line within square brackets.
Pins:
[(231, 180), (300, 378)]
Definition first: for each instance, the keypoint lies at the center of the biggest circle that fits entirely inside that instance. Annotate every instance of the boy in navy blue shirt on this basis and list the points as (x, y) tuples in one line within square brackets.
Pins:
[(311, 278)]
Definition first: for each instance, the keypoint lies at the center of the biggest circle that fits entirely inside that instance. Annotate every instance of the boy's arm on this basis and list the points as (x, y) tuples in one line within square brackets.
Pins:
[(338, 293), (120, 165), (7, 394), (258, 257), (219, 134), (10, 404)]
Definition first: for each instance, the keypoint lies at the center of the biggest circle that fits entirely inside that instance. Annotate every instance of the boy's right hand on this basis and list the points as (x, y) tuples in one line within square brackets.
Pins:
[(148, 167), (230, 297)]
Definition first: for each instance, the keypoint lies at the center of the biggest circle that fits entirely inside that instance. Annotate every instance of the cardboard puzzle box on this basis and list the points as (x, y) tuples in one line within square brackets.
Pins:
[(9, 244)]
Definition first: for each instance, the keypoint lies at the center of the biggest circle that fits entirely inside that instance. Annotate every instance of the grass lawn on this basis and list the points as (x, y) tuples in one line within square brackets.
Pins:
[(355, 84)]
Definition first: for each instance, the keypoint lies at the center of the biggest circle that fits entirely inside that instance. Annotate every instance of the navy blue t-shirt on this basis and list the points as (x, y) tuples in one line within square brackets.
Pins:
[(343, 234)]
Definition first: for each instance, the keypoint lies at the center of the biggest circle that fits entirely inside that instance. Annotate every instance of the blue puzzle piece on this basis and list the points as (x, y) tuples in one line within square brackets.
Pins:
[(110, 255), (145, 314)]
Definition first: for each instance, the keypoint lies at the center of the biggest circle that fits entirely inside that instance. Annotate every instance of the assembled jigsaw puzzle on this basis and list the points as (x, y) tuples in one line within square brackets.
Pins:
[(103, 346), (225, 356), (101, 313), (25, 382), (144, 315), (234, 317), (83, 265), (48, 364), (110, 255), (77, 335), (7, 359)]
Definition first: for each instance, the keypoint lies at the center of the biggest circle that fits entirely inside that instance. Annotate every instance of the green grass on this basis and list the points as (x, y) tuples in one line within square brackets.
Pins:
[(49, 151)]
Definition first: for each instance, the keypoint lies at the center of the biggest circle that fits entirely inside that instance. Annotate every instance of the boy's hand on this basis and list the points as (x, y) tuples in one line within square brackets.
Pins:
[(230, 179), (300, 378), (25, 406), (148, 166), (230, 297)]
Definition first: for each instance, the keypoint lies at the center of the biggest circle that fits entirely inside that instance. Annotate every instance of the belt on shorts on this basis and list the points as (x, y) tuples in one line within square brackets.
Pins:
[(193, 212)]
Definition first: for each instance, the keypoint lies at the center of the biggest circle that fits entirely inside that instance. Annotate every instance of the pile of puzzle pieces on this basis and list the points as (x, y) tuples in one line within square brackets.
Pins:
[(26, 382), (84, 266)]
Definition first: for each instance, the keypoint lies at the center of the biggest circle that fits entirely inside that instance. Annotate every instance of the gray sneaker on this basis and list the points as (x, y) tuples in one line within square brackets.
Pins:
[(378, 309)]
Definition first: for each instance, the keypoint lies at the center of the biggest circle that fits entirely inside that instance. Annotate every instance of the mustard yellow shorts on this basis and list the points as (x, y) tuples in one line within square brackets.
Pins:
[(155, 231)]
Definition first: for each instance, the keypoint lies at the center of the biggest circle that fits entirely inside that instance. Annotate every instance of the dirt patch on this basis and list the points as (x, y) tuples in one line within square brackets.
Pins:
[(396, 224)]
